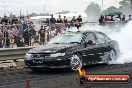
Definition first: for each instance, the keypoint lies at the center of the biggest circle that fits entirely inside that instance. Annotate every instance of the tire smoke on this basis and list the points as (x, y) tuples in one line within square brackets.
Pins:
[(124, 38), (121, 33)]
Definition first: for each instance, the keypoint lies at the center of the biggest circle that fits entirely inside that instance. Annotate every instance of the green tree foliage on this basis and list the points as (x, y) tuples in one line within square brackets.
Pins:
[(111, 9)]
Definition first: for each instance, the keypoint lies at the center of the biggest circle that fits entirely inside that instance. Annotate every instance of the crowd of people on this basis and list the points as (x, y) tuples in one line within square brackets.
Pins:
[(75, 22), (106, 19), (57, 26), (21, 31), (16, 30)]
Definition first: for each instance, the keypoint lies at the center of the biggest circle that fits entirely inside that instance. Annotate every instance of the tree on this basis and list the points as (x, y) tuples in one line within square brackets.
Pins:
[(126, 6), (93, 11), (110, 10)]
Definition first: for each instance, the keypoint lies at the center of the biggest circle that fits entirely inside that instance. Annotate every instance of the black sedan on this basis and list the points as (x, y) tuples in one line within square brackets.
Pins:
[(73, 49)]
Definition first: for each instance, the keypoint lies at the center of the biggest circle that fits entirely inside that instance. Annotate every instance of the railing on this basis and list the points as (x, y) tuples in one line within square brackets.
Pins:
[(13, 53)]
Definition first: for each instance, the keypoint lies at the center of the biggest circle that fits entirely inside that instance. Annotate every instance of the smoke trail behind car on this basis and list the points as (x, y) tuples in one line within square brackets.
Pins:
[(124, 38), (121, 33)]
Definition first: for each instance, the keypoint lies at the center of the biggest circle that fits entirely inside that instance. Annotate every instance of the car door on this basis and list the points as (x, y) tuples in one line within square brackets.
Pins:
[(102, 45), (89, 51)]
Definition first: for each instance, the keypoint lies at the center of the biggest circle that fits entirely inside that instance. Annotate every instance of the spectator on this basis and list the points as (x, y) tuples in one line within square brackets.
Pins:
[(21, 20), (130, 17), (51, 32), (57, 31), (106, 18), (42, 33), (59, 20), (112, 19), (101, 20), (6, 38), (14, 20), (123, 18), (27, 37), (73, 21), (19, 40), (14, 34), (1, 39), (65, 21), (4, 20), (79, 18), (52, 20), (21, 29), (77, 24), (118, 18), (28, 21), (47, 21), (15, 31)]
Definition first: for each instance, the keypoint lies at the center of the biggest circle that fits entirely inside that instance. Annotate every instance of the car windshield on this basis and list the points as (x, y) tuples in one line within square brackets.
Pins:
[(67, 38)]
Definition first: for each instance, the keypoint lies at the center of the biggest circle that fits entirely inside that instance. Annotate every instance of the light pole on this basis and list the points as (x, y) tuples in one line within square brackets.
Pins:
[(131, 3), (102, 4)]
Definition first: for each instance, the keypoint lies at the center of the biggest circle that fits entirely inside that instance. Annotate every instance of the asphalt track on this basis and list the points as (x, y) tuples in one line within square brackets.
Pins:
[(61, 78)]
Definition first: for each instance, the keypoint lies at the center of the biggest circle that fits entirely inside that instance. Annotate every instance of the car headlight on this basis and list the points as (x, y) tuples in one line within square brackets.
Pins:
[(57, 54), (28, 56)]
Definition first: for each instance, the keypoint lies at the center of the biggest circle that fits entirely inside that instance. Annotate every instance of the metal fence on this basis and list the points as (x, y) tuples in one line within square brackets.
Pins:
[(13, 35)]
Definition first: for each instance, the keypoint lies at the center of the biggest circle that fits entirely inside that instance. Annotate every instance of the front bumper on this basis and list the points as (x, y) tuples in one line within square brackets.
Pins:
[(48, 63)]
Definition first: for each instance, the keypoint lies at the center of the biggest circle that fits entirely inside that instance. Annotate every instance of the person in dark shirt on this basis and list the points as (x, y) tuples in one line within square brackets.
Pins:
[(65, 21), (4, 20), (123, 18), (27, 36), (52, 20), (79, 18), (47, 21), (14, 20), (59, 20), (130, 17), (1, 39), (118, 17), (73, 21), (112, 19), (42, 33), (101, 20), (77, 24)]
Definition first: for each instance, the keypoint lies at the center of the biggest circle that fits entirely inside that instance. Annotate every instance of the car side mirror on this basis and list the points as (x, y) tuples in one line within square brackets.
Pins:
[(90, 42)]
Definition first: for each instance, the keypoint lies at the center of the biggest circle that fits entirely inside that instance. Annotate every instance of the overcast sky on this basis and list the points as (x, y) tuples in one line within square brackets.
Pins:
[(52, 6)]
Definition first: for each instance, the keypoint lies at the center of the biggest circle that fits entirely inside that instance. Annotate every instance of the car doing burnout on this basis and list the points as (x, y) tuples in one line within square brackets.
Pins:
[(72, 50)]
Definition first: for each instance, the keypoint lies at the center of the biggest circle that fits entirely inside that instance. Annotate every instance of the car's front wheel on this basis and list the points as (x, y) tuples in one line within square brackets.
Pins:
[(76, 61)]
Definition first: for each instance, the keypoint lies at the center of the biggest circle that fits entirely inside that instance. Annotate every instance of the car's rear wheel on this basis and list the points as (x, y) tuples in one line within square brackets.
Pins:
[(75, 62), (112, 55)]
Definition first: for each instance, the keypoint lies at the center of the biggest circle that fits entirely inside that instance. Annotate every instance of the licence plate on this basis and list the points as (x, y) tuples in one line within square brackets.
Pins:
[(37, 61)]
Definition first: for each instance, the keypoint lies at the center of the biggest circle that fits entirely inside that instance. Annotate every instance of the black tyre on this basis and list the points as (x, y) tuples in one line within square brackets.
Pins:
[(112, 55), (76, 61)]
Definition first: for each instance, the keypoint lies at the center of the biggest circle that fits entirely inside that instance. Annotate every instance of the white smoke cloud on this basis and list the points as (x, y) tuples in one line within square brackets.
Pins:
[(124, 39), (123, 35)]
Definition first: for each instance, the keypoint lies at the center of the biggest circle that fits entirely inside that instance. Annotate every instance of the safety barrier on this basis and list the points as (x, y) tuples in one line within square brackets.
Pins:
[(13, 53)]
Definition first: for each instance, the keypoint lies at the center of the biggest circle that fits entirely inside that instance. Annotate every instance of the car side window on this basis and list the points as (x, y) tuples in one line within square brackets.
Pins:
[(100, 38), (90, 36)]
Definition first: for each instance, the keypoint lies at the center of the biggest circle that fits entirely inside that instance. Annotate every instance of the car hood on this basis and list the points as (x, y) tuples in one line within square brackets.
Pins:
[(52, 48)]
